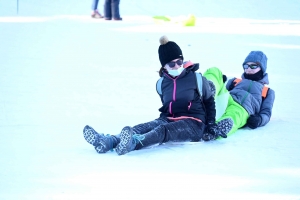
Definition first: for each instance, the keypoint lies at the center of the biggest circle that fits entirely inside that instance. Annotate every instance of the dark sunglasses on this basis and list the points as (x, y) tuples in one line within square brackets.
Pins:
[(172, 64), (252, 66)]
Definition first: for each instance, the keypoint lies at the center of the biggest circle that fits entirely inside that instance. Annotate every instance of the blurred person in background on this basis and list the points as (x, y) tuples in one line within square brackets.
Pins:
[(111, 10), (95, 13)]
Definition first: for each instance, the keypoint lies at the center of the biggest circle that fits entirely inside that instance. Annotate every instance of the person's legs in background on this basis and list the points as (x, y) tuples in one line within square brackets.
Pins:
[(115, 9), (107, 10), (95, 13)]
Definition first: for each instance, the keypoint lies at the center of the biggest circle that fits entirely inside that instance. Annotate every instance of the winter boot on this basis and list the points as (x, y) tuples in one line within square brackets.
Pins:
[(101, 142), (224, 127), (96, 14), (128, 141), (212, 87)]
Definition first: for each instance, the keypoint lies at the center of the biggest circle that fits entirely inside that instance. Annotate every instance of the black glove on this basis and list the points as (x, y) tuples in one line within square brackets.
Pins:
[(212, 128), (224, 78), (254, 121), (232, 85), (210, 132)]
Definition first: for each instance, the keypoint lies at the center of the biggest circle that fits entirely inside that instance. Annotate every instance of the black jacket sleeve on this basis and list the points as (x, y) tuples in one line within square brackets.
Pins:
[(208, 102)]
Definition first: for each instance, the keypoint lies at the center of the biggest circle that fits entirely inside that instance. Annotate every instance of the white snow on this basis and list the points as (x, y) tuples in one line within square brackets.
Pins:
[(61, 70)]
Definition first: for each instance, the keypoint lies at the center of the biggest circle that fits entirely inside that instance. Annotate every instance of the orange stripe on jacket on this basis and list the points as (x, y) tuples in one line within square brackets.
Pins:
[(263, 92)]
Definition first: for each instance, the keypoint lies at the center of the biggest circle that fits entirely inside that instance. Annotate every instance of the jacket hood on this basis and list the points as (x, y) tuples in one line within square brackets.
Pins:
[(193, 67)]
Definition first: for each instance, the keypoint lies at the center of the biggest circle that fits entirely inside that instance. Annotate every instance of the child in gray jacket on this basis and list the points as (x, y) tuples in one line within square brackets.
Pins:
[(250, 102)]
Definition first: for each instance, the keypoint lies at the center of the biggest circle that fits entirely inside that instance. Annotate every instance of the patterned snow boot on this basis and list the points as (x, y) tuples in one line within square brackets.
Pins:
[(101, 142), (128, 141), (224, 127)]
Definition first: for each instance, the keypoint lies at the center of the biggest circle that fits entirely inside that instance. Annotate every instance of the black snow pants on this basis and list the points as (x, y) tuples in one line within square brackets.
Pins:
[(163, 130)]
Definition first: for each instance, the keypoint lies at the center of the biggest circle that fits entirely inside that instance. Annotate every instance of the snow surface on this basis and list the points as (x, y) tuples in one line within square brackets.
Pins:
[(61, 70)]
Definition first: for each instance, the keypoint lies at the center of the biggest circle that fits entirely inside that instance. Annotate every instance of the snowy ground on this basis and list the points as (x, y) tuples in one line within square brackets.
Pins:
[(62, 70)]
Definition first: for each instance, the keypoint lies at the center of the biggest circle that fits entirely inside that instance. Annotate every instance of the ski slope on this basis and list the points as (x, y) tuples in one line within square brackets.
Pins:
[(61, 70)]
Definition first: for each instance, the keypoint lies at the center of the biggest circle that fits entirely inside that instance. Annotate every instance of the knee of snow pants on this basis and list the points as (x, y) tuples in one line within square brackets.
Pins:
[(178, 131), (237, 113), (215, 75)]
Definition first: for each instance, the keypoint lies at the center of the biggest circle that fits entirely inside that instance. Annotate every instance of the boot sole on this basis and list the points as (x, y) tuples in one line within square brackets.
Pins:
[(225, 126), (125, 141), (89, 135)]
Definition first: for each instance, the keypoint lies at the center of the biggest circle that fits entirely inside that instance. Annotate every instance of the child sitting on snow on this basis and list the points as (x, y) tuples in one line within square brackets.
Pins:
[(250, 101), (183, 114)]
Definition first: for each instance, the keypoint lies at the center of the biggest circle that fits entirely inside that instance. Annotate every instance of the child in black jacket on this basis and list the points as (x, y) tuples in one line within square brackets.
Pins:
[(184, 111)]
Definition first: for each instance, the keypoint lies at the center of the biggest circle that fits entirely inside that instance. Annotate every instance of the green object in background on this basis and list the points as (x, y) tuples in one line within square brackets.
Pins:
[(189, 20), (163, 18)]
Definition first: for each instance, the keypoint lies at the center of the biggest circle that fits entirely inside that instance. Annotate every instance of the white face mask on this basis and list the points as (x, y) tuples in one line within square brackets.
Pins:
[(176, 72)]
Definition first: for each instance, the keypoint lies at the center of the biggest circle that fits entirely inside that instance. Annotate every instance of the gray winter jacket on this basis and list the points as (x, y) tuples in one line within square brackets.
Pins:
[(248, 94)]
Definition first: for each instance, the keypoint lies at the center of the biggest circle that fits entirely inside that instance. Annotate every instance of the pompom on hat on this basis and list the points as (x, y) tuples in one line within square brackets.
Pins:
[(257, 57), (168, 51)]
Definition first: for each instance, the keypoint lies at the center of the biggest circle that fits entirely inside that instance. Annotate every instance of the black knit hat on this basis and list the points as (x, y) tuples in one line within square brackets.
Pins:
[(168, 51)]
